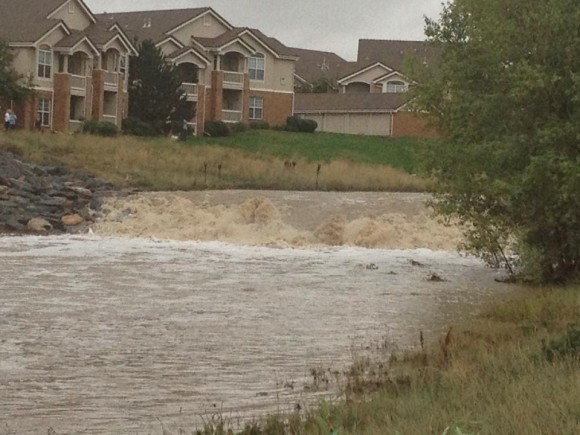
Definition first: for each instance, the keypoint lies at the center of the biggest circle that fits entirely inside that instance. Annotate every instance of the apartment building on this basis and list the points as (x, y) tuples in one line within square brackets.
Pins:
[(369, 95), (78, 63), (232, 74)]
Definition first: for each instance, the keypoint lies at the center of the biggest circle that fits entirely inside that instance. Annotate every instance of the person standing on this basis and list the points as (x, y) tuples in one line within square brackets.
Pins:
[(12, 120)]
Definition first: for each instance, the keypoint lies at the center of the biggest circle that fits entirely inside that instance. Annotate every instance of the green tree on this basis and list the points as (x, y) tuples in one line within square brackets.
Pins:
[(155, 88), (506, 96), (12, 85)]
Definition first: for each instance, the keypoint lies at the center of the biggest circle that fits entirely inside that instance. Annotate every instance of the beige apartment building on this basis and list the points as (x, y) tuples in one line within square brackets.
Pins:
[(78, 63)]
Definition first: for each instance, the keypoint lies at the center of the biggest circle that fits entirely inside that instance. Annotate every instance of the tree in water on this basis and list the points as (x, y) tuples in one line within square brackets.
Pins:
[(506, 97)]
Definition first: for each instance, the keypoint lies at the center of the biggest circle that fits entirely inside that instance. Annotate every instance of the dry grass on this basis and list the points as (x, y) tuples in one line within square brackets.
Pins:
[(159, 164)]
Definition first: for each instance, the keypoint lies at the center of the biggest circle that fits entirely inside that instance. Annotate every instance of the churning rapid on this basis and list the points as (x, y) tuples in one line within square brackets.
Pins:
[(282, 219), (103, 334)]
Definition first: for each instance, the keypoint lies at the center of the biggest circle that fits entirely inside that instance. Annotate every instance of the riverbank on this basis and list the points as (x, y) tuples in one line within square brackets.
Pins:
[(263, 160), (514, 368)]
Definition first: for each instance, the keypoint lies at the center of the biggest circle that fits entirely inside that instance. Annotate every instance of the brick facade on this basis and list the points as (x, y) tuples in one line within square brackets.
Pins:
[(61, 102), (98, 104), (277, 106)]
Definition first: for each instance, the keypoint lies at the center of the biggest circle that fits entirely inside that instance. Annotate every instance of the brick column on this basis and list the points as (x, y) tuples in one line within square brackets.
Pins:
[(98, 103), (216, 96), (61, 102), (200, 113), (246, 99)]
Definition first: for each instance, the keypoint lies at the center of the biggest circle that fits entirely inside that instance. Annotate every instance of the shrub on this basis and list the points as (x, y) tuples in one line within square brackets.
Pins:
[(136, 127), (294, 123), (259, 125), (567, 345), (217, 129), (100, 128), (239, 127)]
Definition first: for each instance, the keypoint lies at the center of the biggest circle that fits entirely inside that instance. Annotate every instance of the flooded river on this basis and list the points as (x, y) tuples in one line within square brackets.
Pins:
[(110, 333)]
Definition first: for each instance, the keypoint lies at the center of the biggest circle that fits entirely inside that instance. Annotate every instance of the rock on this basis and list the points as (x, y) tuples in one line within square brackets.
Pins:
[(81, 190), (71, 220), (435, 278), (13, 224), (39, 225)]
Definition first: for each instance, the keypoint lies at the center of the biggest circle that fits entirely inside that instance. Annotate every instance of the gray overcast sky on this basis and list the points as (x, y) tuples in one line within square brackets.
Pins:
[(330, 25)]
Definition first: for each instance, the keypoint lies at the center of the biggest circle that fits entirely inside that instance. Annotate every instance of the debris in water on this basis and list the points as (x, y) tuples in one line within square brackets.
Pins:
[(416, 263), (372, 266), (436, 278)]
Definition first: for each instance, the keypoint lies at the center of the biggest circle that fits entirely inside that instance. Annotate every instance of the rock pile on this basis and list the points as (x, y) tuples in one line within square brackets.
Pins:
[(46, 199)]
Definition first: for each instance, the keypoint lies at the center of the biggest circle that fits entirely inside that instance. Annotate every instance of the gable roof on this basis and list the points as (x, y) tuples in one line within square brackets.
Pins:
[(394, 53), (348, 103), (313, 65), (275, 46), (25, 21), (153, 25)]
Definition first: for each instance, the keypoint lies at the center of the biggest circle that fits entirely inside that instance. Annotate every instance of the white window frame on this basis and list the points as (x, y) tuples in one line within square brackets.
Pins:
[(44, 63), (44, 109), (256, 108), (257, 67), (395, 87)]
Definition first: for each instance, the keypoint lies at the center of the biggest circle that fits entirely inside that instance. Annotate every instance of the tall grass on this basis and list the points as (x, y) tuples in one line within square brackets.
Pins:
[(161, 164)]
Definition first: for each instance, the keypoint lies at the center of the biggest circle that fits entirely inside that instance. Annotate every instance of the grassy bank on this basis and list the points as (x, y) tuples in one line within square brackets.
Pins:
[(514, 369), (250, 160)]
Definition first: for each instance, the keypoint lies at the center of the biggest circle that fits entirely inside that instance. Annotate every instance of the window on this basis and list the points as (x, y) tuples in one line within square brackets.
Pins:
[(44, 112), (44, 62), (256, 68), (256, 108), (395, 87)]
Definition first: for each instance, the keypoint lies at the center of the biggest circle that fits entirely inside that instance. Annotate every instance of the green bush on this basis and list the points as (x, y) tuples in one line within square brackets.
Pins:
[(217, 129), (136, 127), (296, 124), (239, 127), (567, 345), (100, 128), (259, 125)]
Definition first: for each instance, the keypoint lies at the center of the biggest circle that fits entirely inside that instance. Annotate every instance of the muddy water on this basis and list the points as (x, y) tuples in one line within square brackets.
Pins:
[(106, 335)]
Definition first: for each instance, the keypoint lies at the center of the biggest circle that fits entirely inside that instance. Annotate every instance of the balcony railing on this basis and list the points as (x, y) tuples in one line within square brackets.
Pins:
[(78, 83), (190, 90), (111, 78), (231, 115), (233, 80), (110, 118)]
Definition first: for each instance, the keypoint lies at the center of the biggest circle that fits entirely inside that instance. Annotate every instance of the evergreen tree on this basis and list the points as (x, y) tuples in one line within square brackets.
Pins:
[(155, 88)]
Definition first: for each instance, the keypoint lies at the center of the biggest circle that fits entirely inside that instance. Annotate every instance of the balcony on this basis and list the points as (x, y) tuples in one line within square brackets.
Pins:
[(111, 80), (231, 115), (233, 80), (78, 85), (190, 91)]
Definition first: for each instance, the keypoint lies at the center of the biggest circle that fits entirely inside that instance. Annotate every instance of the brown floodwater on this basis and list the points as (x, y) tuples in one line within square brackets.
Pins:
[(223, 304)]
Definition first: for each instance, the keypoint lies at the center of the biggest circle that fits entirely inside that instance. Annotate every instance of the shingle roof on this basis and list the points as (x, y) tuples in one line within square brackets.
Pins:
[(136, 24), (348, 102), (25, 20), (394, 53), (313, 64)]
